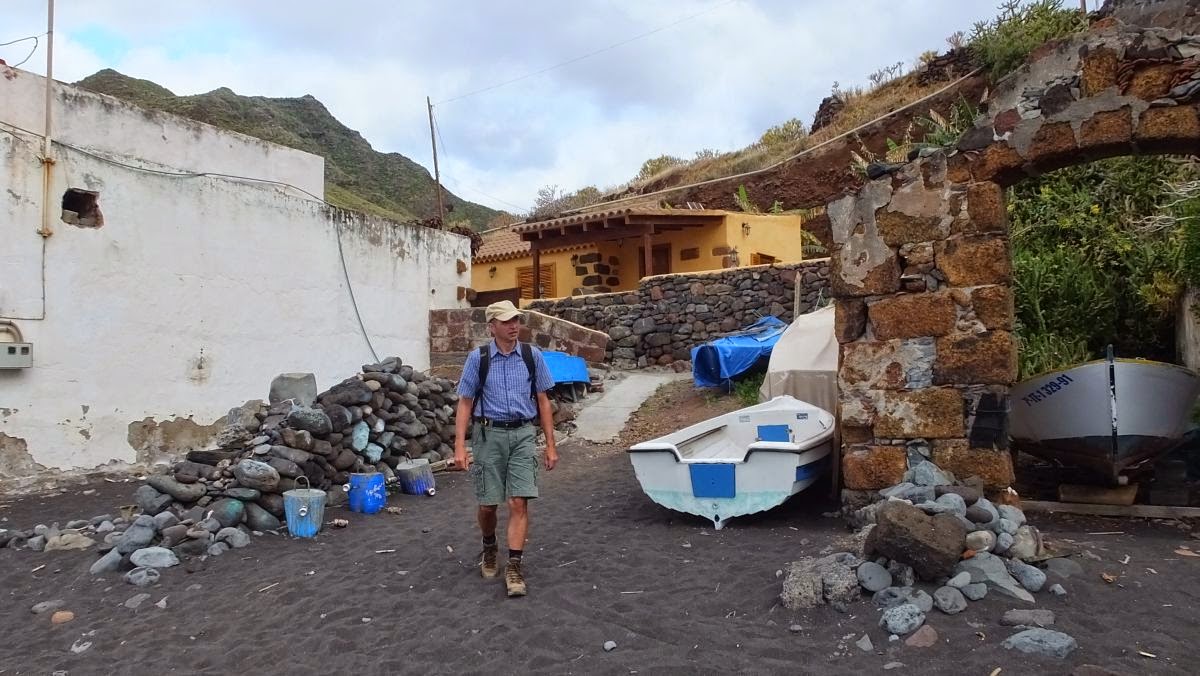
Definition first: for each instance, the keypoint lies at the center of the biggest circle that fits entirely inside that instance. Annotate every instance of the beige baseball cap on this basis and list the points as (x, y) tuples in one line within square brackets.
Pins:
[(502, 311)]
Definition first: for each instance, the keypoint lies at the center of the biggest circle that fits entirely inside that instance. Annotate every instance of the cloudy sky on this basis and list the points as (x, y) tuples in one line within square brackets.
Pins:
[(711, 73)]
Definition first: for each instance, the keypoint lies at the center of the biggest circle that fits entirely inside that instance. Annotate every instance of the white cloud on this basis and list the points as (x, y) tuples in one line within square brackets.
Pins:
[(714, 81)]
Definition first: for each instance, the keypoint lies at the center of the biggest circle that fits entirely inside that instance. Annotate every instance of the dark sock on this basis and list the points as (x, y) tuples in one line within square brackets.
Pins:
[(489, 540), (515, 554)]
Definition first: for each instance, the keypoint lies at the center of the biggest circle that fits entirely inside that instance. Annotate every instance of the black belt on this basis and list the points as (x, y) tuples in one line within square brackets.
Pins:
[(502, 424)]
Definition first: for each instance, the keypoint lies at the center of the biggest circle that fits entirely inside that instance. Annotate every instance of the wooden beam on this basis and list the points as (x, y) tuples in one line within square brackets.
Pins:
[(554, 240), (672, 220), (537, 270), (1126, 511), (647, 253)]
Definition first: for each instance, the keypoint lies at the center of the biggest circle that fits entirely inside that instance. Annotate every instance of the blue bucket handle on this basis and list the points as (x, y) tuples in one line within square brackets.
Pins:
[(302, 511)]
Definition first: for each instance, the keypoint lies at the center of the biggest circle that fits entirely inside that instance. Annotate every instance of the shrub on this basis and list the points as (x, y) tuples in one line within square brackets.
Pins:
[(1002, 44)]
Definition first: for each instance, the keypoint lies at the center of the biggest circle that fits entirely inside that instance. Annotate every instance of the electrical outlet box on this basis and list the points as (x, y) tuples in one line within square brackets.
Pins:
[(16, 355)]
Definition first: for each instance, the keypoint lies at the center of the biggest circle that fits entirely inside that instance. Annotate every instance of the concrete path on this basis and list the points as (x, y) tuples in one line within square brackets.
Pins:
[(602, 419)]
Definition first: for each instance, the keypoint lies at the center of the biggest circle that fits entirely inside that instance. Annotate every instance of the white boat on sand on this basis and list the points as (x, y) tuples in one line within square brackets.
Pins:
[(1108, 416), (739, 463)]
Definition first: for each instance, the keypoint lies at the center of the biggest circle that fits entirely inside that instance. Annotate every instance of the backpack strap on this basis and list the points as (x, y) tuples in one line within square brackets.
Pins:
[(527, 355), (485, 355)]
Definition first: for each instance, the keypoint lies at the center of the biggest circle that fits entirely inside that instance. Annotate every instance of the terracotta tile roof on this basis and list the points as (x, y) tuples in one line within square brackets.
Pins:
[(501, 244), (592, 216)]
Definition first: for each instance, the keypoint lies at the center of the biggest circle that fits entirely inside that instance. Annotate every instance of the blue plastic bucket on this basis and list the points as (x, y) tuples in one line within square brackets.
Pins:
[(416, 478), (304, 509), (367, 494)]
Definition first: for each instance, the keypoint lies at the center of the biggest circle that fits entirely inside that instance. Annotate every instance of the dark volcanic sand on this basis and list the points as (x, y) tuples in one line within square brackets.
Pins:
[(702, 601)]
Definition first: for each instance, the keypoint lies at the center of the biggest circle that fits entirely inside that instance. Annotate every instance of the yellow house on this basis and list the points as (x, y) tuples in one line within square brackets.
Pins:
[(605, 251)]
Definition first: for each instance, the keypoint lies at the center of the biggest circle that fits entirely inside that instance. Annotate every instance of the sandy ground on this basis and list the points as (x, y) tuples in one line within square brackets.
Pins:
[(603, 563)]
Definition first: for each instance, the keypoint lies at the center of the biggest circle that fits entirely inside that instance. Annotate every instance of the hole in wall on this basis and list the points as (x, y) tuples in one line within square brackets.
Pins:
[(82, 208)]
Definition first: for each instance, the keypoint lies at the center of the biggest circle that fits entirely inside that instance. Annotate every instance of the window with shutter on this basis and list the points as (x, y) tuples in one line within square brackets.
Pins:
[(761, 259), (525, 281)]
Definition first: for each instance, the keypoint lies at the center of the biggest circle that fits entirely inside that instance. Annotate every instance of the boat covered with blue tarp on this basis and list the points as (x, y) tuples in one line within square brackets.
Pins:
[(718, 361)]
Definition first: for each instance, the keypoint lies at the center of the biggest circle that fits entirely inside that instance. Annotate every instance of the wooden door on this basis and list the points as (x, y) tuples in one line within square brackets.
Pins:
[(660, 255)]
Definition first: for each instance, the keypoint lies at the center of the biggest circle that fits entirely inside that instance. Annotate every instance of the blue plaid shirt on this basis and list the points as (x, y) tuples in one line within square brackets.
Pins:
[(506, 393)]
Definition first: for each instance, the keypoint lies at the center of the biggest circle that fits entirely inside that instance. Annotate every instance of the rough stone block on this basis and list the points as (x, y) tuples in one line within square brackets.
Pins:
[(887, 365), (299, 387), (932, 413), (849, 319), (1107, 131), (985, 208), (1053, 146), (586, 258), (994, 307), (1099, 71), (931, 545), (897, 228), (993, 466), (854, 434), (913, 315), (864, 267), (690, 253), (976, 359), (1163, 128), (999, 162), (874, 467), (858, 407), (958, 169), (975, 261), (721, 251), (1152, 81)]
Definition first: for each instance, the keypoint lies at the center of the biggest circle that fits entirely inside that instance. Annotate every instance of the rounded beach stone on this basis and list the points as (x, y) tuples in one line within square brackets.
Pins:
[(959, 581), (981, 540), (902, 619), (975, 591), (949, 600), (142, 577), (154, 557), (873, 577)]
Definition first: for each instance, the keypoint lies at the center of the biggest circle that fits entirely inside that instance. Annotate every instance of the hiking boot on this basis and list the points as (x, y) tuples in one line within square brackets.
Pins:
[(487, 563), (513, 580)]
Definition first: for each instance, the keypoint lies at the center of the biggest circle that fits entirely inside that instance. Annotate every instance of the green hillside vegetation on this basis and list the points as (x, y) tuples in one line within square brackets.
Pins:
[(356, 176)]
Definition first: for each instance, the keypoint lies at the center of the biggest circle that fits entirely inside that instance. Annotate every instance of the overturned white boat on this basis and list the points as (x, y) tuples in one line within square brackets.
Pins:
[(1108, 416), (739, 463)]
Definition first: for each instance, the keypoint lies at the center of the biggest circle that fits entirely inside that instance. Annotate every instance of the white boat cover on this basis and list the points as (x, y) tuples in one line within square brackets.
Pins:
[(804, 362)]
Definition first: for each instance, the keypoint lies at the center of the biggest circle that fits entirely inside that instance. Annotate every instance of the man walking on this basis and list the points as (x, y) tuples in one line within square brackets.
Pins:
[(503, 391)]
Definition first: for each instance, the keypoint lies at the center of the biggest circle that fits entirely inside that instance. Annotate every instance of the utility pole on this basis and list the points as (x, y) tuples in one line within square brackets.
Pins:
[(48, 129), (1083, 6), (437, 176)]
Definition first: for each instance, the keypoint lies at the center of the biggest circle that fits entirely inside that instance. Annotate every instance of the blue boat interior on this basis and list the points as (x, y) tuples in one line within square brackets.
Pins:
[(781, 433)]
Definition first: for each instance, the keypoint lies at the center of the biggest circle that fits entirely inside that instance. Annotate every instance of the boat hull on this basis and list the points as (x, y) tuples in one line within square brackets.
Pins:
[(692, 472), (1105, 417)]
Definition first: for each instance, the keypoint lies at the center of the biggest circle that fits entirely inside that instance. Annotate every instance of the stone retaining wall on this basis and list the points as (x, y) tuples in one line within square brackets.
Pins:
[(668, 314), (454, 333)]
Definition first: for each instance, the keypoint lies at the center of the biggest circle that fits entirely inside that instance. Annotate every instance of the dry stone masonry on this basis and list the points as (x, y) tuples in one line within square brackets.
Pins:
[(667, 315), (921, 263)]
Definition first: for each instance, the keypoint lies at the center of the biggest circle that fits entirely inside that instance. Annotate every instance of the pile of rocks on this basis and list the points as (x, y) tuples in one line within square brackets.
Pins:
[(946, 534), (215, 499), (373, 421)]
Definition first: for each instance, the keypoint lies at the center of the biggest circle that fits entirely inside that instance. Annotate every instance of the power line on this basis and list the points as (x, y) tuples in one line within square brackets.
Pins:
[(445, 151), (31, 51), (589, 54)]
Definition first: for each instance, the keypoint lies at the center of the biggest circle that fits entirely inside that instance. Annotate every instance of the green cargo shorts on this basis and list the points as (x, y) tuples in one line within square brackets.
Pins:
[(506, 464)]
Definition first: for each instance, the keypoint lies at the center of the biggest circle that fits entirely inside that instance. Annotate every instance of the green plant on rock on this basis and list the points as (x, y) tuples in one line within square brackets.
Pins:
[(746, 390), (1002, 44), (742, 199)]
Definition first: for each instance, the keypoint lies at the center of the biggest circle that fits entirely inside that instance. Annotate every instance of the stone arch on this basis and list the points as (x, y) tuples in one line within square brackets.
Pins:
[(921, 265)]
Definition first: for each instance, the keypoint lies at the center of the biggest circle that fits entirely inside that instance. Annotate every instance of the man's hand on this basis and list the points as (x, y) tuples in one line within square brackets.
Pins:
[(551, 456), (462, 461)]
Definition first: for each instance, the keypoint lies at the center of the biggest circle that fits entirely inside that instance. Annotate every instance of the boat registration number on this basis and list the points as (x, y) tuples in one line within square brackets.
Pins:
[(1048, 390)]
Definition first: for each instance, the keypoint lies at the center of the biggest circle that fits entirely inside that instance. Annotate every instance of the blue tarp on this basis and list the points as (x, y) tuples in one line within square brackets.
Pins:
[(714, 363), (565, 368)]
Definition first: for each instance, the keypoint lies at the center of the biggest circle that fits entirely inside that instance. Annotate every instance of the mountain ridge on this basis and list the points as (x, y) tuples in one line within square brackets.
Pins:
[(357, 176)]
